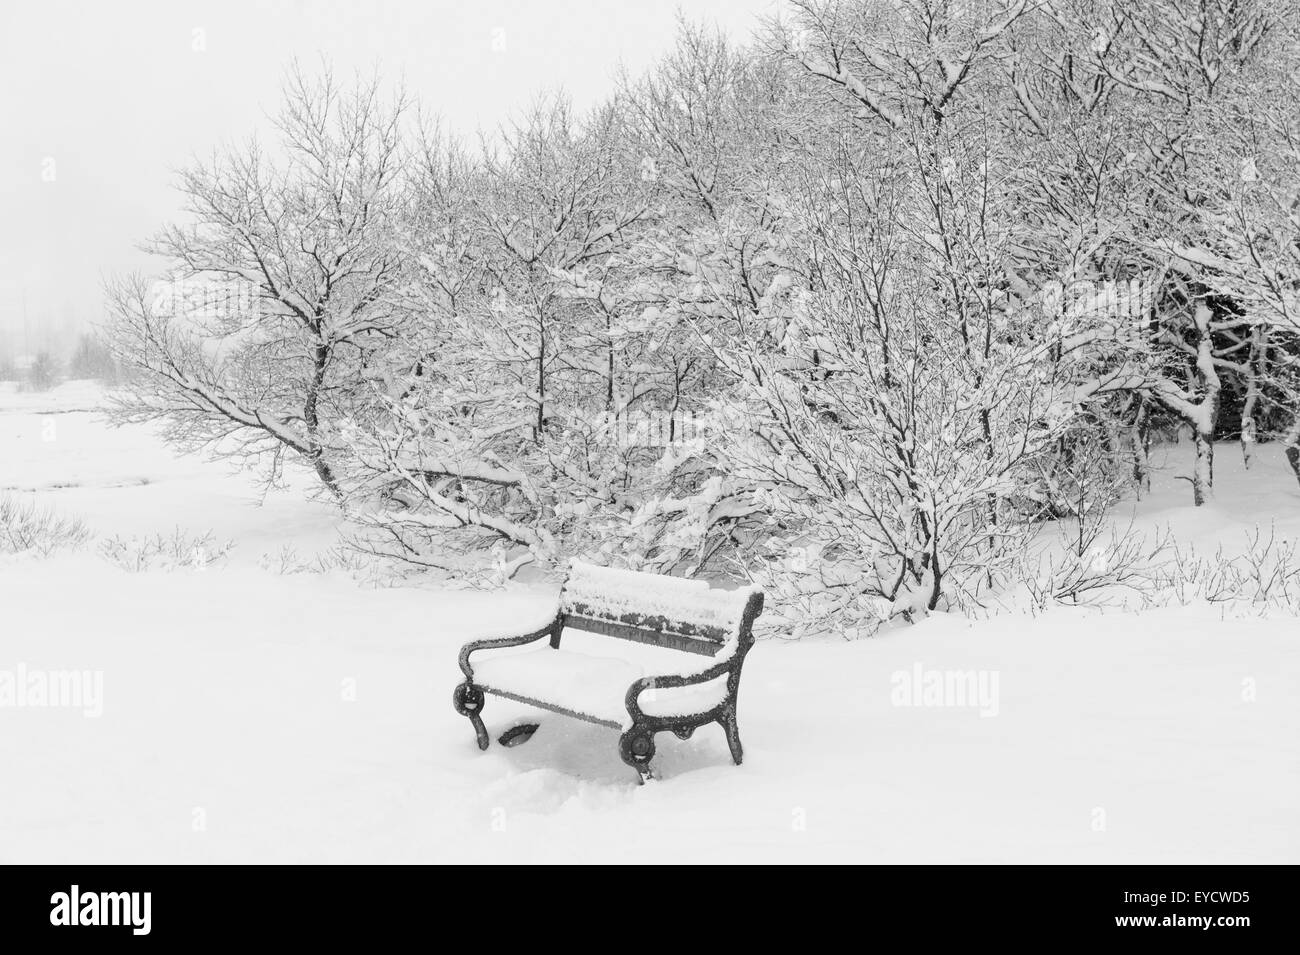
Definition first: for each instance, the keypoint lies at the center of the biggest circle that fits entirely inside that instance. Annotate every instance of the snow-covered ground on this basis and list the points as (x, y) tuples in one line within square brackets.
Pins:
[(251, 715)]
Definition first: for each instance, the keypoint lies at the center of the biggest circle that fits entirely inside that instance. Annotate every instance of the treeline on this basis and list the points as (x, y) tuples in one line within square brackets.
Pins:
[(850, 309), (91, 358)]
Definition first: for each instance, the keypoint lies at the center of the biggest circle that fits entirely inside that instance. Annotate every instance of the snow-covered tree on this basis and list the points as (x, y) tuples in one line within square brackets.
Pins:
[(531, 302), (45, 371), (904, 403), (92, 359), (279, 303)]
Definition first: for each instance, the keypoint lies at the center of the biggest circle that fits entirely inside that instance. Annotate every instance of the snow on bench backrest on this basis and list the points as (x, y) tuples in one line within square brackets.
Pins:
[(680, 613)]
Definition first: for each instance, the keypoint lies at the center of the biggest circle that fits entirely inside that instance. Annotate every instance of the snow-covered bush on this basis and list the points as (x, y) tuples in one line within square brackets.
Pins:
[(45, 372), (26, 528), (1089, 563), (92, 359), (173, 551), (365, 569), (1116, 567), (1264, 577)]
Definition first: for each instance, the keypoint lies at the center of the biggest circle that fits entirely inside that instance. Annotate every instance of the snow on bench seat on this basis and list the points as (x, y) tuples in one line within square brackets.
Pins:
[(590, 685)]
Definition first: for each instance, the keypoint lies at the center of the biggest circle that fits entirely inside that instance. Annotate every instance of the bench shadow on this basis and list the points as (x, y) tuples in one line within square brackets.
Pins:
[(590, 752)]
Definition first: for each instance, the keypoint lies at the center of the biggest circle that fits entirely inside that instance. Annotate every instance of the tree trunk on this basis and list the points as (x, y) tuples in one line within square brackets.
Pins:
[(1205, 422), (326, 475), (1203, 475), (1247, 438), (1141, 437), (311, 420), (1249, 427), (1291, 441), (540, 426), (609, 357)]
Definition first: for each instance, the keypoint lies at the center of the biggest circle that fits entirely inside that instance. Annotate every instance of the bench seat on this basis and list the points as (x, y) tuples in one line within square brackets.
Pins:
[(590, 686)]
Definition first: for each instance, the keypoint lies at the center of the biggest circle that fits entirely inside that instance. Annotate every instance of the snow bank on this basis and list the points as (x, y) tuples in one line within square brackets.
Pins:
[(249, 716), (252, 717)]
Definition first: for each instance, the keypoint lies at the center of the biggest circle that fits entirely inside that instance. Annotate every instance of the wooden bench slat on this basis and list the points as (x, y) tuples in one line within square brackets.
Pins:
[(661, 638), (648, 622)]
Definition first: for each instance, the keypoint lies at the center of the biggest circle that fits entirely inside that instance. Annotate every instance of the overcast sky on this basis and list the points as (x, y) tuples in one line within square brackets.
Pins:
[(101, 102)]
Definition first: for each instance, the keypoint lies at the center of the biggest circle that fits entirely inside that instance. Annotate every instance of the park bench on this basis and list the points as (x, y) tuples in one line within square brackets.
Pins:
[(686, 617)]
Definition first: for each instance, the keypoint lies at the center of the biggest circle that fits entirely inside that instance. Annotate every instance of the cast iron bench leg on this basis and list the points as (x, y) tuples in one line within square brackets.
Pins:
[(637, 748), (729, 726), (468, 701)]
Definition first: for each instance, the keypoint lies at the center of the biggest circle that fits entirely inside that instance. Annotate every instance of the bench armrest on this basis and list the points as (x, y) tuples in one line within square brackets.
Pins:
[(670, 681), (730, 666), (500, 643)]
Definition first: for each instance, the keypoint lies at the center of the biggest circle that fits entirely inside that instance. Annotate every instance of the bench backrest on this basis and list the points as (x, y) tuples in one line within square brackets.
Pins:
[(665, 611)]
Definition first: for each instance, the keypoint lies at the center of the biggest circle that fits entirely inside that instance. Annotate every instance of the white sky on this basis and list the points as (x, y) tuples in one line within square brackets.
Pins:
[(118, 97)]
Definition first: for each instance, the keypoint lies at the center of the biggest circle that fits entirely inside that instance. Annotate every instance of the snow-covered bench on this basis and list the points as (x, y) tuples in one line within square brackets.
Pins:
[(611, 689)]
